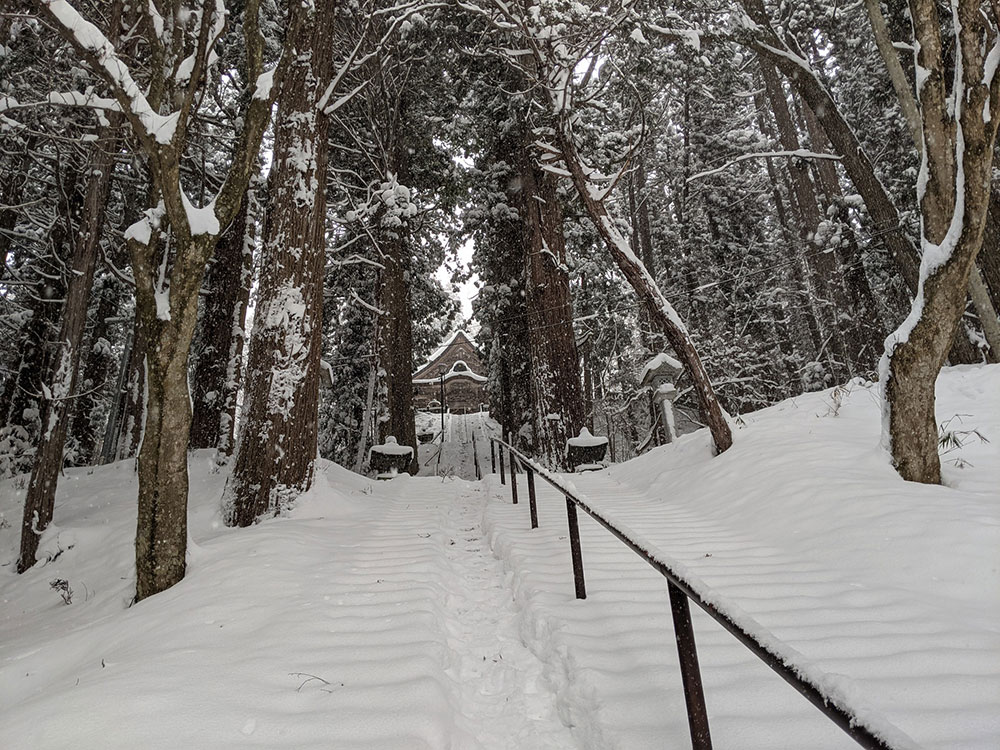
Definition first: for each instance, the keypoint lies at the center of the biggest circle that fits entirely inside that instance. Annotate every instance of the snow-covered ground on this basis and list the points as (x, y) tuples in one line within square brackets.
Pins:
[(373, 617), (424, 613), (892, 589), (455, 455)]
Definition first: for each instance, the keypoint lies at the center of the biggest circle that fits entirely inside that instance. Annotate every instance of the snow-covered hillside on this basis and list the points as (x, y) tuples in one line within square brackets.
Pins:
[(375, 615)]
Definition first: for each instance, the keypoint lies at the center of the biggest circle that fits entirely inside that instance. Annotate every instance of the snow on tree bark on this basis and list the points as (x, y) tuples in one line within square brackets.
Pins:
[(959, 126), (278, 438)]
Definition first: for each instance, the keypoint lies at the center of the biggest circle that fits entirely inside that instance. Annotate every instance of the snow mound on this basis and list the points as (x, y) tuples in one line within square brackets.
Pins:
[(314, 631), (886, 590)]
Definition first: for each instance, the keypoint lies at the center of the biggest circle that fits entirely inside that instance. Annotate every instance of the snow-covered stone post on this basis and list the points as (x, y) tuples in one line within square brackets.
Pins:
[(658, 375)]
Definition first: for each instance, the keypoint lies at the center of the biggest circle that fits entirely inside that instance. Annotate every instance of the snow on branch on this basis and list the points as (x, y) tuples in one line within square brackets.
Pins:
[(366, 305), (88, 38), (403, 13), (691, 37), (800, 153)]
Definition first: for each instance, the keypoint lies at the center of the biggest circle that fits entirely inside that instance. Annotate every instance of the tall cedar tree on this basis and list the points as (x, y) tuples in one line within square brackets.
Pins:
[(278, 438)]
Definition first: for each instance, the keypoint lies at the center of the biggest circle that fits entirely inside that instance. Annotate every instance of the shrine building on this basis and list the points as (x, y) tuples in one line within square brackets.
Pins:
[(464, 378)]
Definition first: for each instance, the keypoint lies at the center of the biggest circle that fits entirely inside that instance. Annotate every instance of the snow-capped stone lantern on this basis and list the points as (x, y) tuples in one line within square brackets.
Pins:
[(389, 459), (586, 452), (659, 375)]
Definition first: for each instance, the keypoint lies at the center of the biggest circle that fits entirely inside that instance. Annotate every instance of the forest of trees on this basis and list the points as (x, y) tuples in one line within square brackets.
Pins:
[(203, 205)]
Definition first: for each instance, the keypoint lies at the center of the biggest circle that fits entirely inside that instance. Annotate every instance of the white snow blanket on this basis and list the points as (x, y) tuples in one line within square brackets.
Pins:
[(377, 615), (889, 590)]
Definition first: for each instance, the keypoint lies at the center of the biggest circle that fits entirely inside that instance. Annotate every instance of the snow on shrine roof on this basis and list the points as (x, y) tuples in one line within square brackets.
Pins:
[(455, 372), (439, 352), (586, 440)]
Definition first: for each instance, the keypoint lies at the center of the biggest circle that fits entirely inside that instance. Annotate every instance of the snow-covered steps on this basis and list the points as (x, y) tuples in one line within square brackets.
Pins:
[(374, 617), (887, 588)]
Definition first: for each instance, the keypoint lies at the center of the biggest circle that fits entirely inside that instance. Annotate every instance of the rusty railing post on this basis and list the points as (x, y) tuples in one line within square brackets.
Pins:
[(574, 548), (503, 471), (687, 654), (475, 458), (531, 497), (493, 457), (513, 478)]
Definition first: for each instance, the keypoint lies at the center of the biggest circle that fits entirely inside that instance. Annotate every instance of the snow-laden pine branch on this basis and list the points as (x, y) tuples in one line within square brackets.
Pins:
[(801, 153)]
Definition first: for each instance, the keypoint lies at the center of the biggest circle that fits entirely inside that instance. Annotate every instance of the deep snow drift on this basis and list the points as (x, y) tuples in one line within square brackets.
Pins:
[(888, 590), (375, 615)]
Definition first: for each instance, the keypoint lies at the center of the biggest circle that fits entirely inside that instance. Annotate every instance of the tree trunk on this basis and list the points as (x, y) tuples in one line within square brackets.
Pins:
[(278, 439), (821, 266), (161, 530), (864, 332), (980, 295), (85, 430), (167, 283), (395, 325), (395, 344), (23, 400), (954, 200), (131, 414), (660, 310), (219, 361), (989, 254), (40, 500), (799, 321), (558, 400), (900, 83)]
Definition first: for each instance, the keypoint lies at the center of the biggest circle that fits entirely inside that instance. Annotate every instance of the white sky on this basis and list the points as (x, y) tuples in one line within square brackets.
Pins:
[(468, 290)]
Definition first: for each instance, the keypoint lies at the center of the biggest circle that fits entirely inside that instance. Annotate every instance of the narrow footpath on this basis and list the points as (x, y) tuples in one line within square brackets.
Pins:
[(504, 701)]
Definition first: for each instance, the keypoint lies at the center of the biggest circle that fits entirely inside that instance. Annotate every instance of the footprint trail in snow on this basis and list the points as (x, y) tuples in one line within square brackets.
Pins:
[(504, 703)]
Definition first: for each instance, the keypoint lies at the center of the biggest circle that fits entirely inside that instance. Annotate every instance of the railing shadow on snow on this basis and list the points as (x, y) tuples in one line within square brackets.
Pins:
[(682, 587)]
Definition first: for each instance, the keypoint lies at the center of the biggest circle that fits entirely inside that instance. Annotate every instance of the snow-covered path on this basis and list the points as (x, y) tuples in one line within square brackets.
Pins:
[(456, 454), (373, 618), (504, 703)]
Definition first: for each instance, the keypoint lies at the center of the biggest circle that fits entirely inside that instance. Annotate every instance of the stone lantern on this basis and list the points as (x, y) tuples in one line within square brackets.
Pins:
[(659, 375), (389, 459)]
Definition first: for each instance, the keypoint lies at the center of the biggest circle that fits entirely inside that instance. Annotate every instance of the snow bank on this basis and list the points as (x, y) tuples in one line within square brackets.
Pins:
[(315, 631), (885, 590)]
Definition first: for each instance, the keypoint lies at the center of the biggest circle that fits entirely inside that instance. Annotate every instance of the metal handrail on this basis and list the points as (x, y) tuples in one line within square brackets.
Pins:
[(680, 590), (475, 457)]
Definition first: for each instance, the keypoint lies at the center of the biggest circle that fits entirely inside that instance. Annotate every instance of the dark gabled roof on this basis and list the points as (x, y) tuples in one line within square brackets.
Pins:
[(454, 339)]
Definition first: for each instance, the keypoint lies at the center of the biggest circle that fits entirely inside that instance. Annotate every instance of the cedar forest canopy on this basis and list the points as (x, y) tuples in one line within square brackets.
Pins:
[(766, 190)]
